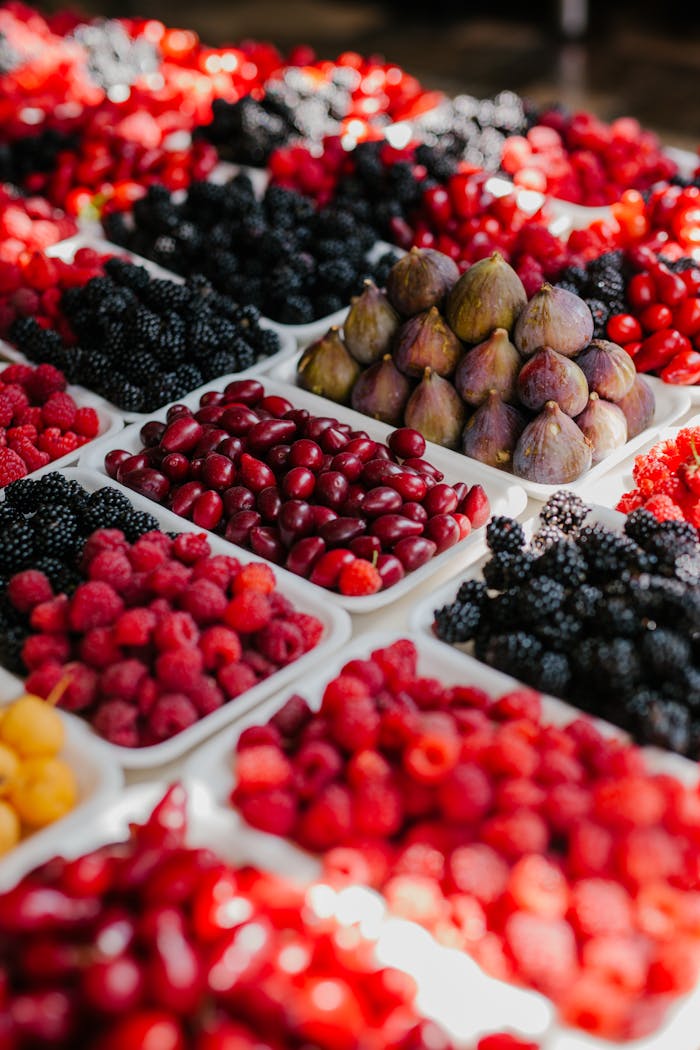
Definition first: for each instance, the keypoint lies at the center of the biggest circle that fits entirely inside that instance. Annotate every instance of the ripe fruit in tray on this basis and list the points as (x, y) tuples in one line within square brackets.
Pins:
[(667, 480), (307, 492), (473, 365)]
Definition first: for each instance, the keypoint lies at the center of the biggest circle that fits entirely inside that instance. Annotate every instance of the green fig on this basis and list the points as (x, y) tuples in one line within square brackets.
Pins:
[(327, 369), (492, 365), (493, 431), (436, 410), (488, 295), (382, 392), (554, 317), (420, 279), (551, 450), (371, 325), (426, 341), (549, 376)]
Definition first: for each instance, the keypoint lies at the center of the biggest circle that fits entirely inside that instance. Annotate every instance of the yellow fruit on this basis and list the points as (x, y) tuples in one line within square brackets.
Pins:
[(9, 765), (9, 828), (44, 790), (32, 727)]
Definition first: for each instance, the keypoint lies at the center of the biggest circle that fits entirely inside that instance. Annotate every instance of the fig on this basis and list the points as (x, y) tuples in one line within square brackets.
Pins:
[(327, 369), (436, 410), (551, 449), (638, 406), (492, 365), (493, 431), (609, 369), (382, 392), (605, 426), (370, 325), (488, 295), (426, 341), (421, 279), (554, 317), (548, 376)]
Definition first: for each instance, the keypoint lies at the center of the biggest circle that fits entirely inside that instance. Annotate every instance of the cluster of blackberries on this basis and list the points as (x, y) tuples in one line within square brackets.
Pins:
[(112, 57), (146, 341), (474, 129), (248, 131), (281, 254), (34, 153), (44, 524), (608, 620), (602, 284)]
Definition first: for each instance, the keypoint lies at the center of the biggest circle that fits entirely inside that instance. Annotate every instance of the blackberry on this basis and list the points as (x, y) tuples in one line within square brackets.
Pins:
[(641, 526), (128, 396), (163, 295), (607, 553), (585, 603), (542, 598), (560, 632), (9, 514), (666, 723), (601, 315), (665, 652), (517, 653), (457, 623), (507, 569), (545, 536), (554, 674), (504, 611), (11, 643), (566, 511), (619, 617), (473, 591), (55, 531), (606, 668), (504, 534), (107, 509), (297, 310), (18, 547), (137, 523), (609, 261), (609, 286), (562, 561), (64, 578), (24, 495)]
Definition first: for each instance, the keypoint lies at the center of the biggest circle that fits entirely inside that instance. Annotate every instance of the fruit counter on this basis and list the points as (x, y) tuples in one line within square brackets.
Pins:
[(350, 500)]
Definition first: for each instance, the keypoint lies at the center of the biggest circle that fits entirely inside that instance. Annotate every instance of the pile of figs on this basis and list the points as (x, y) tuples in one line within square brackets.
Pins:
[(471, 364)]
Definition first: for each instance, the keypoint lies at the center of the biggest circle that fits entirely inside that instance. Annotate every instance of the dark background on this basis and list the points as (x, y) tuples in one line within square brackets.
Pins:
[(640, 58)]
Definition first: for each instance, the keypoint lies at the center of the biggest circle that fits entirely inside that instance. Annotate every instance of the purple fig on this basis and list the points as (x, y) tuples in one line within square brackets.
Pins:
[(548, 376), (435, 410), (382, 392), (419, 280), (488, 295), (492, 365), (551, 450), (371, 325), (426, 341), (493, 431), (639, 406), (327, 369), (605, 426), (554, 317), (609, 369)]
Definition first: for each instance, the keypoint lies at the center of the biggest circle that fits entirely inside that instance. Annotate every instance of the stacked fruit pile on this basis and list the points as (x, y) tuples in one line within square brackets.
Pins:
[(587, 394), (303, 491), (667, 479), (550, 854)]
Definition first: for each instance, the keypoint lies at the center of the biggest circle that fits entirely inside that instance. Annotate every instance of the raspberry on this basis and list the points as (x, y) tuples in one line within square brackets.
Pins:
[(98, 648), (398, 661), (280, 642), (101, 540), (178, 669), (81, 691), (171, 713), (175, 630), (25, 432), (367, 671), (415, 898), (134, 627), (620, 960), (12, 466), (94, 604), (7, 410), (205, 695), (600, 907), (565, 808), (248, 612), (204, 601), (367, 767), (51, 617), (26, 302), (169, 579), (189, 547), (116, 721), (663, 508), (123, 679), (44, 381), (431, 756), (470, 697), (419, 858), (479, 871), (29, 588), (355, 726), (254, 735), (34, 458), (263, 768), (328, 820), (648, 855), (281, 606), (254, 577), (514, 834), (59, 411), (631, 801), (676, 967), (29, 417), (147, 695), (220, 646), (377, 809), (596, 1005), (39, 648), (272, 811), (359, 578), (42, 681), (218, 569), (86, 422), (146, 555), (235, 679), (465, 795), (509, 755), (343, 692), (538, 886), (519, 703), (518, 793), (544, 951), (310, 627), (292, 717), (111, 567), (40, 271), (316, 764), (16, 394)]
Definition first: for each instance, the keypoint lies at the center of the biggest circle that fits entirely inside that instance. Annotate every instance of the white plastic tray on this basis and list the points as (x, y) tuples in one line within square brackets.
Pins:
[(214, 764), (671, 403), (109, 418), (505, 494), (99, 779), (306, 598)]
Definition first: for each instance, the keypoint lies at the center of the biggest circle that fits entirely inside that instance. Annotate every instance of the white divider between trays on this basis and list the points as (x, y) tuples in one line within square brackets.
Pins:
[(337, 630), (671, 404), (99, 780), (214, 764), (110, 419), (505, 494)]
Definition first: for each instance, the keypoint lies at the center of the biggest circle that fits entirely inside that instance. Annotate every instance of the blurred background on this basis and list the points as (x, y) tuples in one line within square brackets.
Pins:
[(632, 58)]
